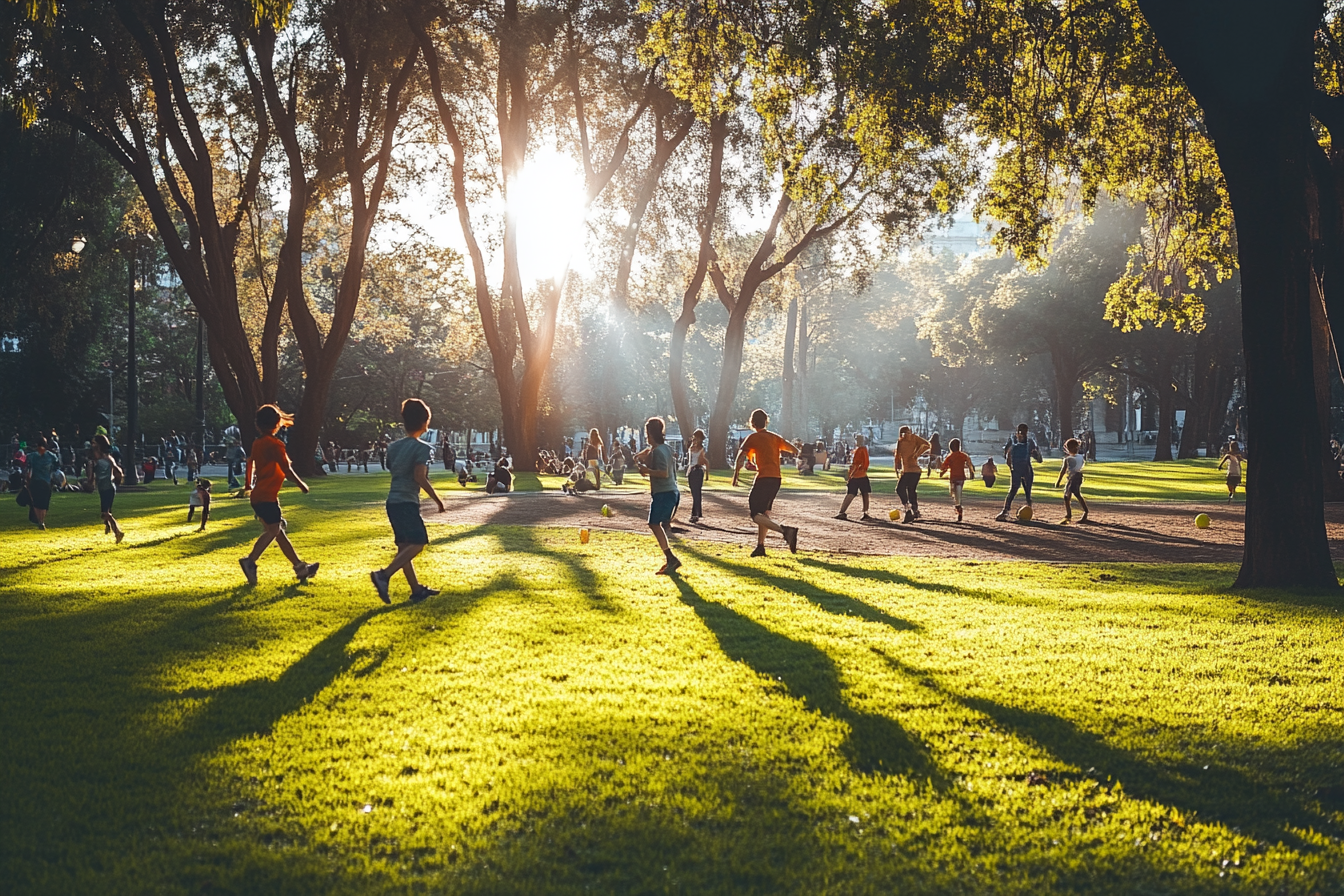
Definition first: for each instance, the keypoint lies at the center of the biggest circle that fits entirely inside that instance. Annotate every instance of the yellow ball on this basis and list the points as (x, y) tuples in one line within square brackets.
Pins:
[(606, 511), (1024, 513), (1202, 521), (894, 515)]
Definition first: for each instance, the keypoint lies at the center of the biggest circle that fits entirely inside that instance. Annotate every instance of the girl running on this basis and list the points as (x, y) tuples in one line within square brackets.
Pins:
[(765, 448)]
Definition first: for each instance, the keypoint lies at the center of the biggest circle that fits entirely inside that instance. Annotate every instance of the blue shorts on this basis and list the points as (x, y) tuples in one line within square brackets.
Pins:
[(407, 526), (105, 498), (661, 507)]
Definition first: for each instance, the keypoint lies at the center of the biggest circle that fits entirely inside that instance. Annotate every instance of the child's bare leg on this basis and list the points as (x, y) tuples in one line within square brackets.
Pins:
[(287, 548), (763, 525), (865, 503), (660, 534), (849, 499), (405, 554), (191, 511), (109, 521), (1083, 504), (263, 543)]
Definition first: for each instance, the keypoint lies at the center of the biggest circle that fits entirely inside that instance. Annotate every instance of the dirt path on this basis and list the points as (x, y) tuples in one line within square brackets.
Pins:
[(1117, 532)]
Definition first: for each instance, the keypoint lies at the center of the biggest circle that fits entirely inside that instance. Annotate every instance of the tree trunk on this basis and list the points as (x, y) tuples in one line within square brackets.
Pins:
[(786, 425), (1166, 410), (733, 339), (804, 349), (1324, 364), (1066, 378)]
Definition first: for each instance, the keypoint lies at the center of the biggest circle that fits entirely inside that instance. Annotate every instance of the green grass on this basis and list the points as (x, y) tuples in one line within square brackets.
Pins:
[(560, 721)]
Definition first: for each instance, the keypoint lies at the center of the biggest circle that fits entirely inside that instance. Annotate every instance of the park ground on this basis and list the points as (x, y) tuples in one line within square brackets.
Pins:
[(880, 714)]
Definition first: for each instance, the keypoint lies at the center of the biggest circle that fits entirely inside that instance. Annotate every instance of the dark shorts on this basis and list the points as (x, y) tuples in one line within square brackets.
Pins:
[(1233, 480), (40, 494), (1074, 486), (105, 499), (268, 512), (407, 526), (763, 492), (859, 485), (990, 480), (661, 507)]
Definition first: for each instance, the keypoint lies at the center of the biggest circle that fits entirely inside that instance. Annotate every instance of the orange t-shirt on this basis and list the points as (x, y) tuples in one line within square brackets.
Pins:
[(764, 448), (268, 453), (957, 462), (859, 465)]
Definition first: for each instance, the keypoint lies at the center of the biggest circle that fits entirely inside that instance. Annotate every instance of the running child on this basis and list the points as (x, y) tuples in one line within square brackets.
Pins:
[(958, 464), (269, 463), (200, 497), (765, 448), (408, 459), (856, 480), (909, 449), (1073, 468), (106, 473), (989, 472), (657, 463), (1019, 451), (697, 471), (1233, 461), (41, 466)]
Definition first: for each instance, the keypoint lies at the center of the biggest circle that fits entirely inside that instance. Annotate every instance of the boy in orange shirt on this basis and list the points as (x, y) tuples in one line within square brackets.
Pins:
[(959, 464), (765, 449), (269, 462), (857, 480), (909, 449)]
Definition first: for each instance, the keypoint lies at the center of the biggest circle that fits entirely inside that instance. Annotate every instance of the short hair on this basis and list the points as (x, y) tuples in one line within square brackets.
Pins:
[(100, 443), (859, 439), (654, 427), (270, 417), (203, 484), (905, 431), (414, 414), (955, 444), (759, 419), (1022, 427), (1072, 446)]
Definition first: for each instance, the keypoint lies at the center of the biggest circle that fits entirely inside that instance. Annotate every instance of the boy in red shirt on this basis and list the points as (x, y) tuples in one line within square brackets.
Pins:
[(959, 464), (857, 480), (270, 464), (765, 448)]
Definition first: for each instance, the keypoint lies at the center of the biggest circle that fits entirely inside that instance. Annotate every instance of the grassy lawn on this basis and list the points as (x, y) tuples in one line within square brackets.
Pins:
[(559, 721)]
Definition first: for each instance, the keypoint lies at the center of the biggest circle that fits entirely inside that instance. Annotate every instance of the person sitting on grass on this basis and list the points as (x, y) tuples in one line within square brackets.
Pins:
[(408, 459), (105, 473), (577, 481), (765, 448), (200, 497), (1073, 469), (856, 480), (501, 480), (658, 463), (268, 467)]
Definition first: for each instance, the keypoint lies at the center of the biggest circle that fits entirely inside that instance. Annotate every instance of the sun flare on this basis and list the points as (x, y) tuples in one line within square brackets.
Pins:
[(547, 201)]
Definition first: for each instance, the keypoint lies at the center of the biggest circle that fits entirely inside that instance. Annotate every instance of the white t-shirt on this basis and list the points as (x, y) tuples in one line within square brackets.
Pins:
[(695, 457), (1074, 463), (1234, 465)]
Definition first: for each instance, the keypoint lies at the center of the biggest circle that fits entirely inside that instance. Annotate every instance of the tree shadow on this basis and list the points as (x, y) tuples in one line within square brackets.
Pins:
[(875, 745), (1215, 793), (894, 578), (830, 601)]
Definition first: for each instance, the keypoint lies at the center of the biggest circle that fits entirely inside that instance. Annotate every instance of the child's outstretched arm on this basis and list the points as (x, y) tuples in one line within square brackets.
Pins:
[(422, 479), (1224, 460), (288, 469)]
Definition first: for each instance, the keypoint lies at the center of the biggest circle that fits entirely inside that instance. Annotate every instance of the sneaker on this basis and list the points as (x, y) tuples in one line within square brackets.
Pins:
[(909, 517), (694, 520), (306, 571), (842, 516), (866, 518), (759, 552), (670, 567), (249, 569), (1083, 518), (791, 538), (1002, 518), (381, 583), (120, 536), (423, 593), (918, 515)]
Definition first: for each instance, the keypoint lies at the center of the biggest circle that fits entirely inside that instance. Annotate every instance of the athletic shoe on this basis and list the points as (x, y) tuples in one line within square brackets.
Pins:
[(759, 552), (842, 516), (1066, 521), (918, 515), (909, 517), (120, 536), (694, 520), (1083, 518), (249, 569), (381, 583), (422, 594), (1002, 518), (791, 538), (670, 567), (306, 571), (866, 518)]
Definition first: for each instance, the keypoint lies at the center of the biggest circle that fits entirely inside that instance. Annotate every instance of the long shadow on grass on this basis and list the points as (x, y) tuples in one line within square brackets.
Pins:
[(894, 578), (1216, 793), (830, 601), (876, 744)]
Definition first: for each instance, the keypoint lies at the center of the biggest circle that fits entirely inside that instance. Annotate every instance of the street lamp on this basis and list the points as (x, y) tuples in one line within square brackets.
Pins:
[(77, 244)]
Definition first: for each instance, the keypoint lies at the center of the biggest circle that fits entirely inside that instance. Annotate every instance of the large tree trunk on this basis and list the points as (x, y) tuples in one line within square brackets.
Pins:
[(804, 349), (1166, 410), (1065, 379), (1324, 364), (730, 374), (786, 425), (1250, 66)]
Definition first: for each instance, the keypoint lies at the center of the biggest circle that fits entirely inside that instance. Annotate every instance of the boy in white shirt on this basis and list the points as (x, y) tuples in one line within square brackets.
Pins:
[(1073, 467)]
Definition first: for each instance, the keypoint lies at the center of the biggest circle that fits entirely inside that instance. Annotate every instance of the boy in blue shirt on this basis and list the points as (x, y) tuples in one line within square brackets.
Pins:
[(657, 463), (40, 467), (408, 459), (1019, 452)]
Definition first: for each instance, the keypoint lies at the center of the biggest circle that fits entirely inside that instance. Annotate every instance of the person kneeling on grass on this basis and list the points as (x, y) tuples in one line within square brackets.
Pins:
[(408, 459), (200, 497), (657, 463), (269, 463)]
